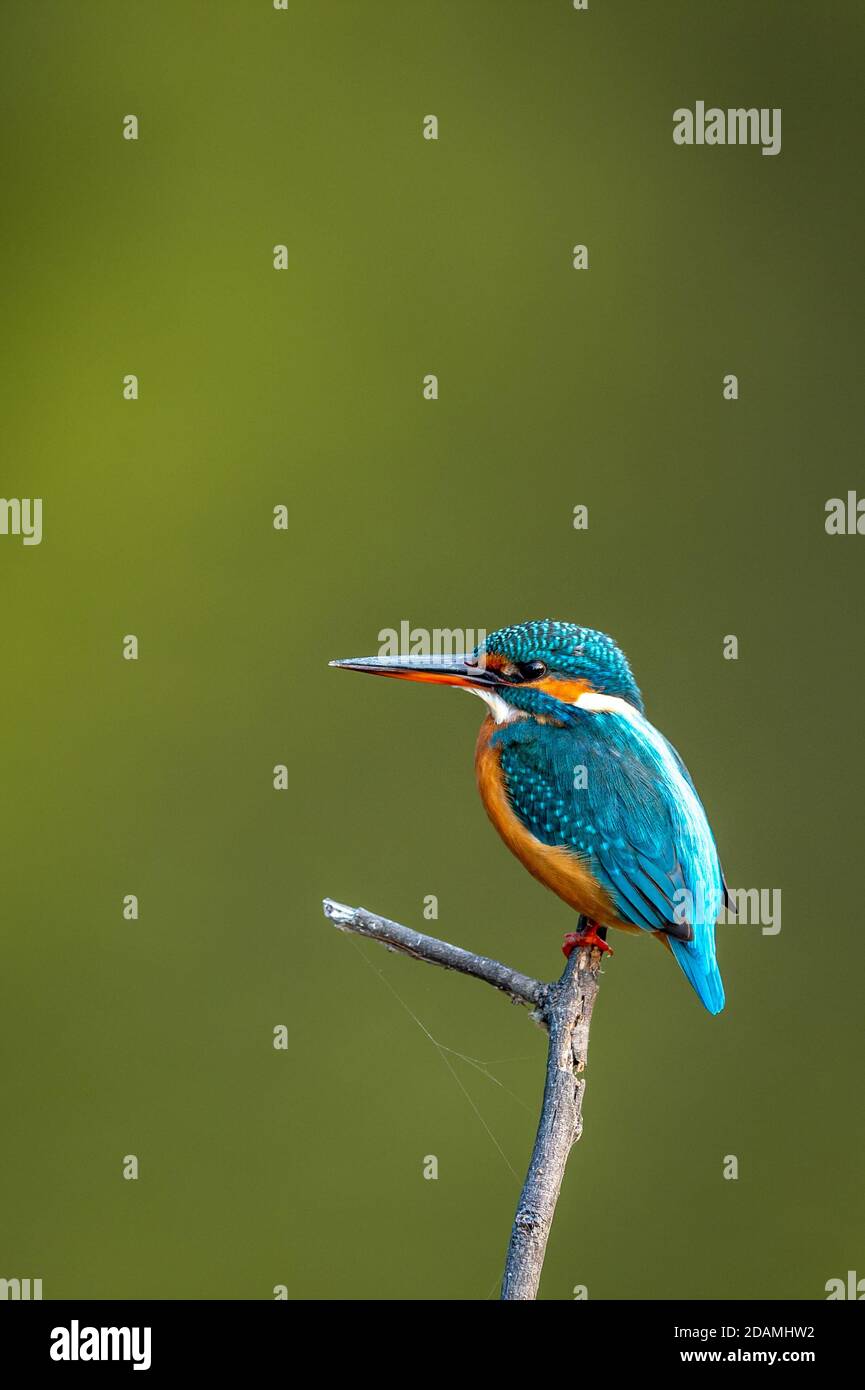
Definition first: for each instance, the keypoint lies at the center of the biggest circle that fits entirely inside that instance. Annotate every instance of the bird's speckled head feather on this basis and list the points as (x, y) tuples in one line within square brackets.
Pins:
[(547, 661)]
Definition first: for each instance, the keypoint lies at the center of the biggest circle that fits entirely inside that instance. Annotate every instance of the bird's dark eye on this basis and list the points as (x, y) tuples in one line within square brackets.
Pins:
[(519, 671)]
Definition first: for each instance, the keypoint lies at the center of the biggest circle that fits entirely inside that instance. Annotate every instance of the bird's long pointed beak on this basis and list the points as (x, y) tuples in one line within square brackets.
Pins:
[(436, 670)]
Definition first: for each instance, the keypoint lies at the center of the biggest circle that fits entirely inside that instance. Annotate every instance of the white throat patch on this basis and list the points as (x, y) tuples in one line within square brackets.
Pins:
[(502, 712)]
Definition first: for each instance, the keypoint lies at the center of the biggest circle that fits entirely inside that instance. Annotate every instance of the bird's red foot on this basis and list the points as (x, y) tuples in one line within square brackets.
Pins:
[(588, 938)]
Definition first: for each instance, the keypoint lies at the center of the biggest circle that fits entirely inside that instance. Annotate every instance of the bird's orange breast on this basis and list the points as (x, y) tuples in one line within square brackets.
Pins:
[(557, 868)]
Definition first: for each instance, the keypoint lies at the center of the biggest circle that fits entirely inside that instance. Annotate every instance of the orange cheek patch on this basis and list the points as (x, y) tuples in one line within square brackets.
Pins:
[(569, 691)]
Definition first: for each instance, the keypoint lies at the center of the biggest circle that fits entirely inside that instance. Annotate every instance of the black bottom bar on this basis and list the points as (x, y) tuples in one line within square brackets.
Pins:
[(66, 1338)]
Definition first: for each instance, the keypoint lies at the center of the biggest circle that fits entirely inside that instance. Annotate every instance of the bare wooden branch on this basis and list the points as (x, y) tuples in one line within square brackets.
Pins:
[(414, 943), (568, 1016), (565, 1008)]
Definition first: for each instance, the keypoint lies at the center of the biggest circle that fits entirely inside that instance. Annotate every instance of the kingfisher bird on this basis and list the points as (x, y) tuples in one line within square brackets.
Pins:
[(589, 796)]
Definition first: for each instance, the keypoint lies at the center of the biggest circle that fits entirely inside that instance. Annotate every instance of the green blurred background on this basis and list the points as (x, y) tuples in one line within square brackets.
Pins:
[(304, 1167)]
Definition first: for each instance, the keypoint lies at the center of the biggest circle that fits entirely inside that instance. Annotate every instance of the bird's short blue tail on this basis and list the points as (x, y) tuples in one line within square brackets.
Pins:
[(697, 959)]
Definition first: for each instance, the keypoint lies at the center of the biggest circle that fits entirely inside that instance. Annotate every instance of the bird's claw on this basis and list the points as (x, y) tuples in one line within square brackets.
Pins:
[(588, 938)]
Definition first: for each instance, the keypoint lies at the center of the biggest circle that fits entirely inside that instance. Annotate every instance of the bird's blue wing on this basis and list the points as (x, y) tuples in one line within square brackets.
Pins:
[(610, 794)]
